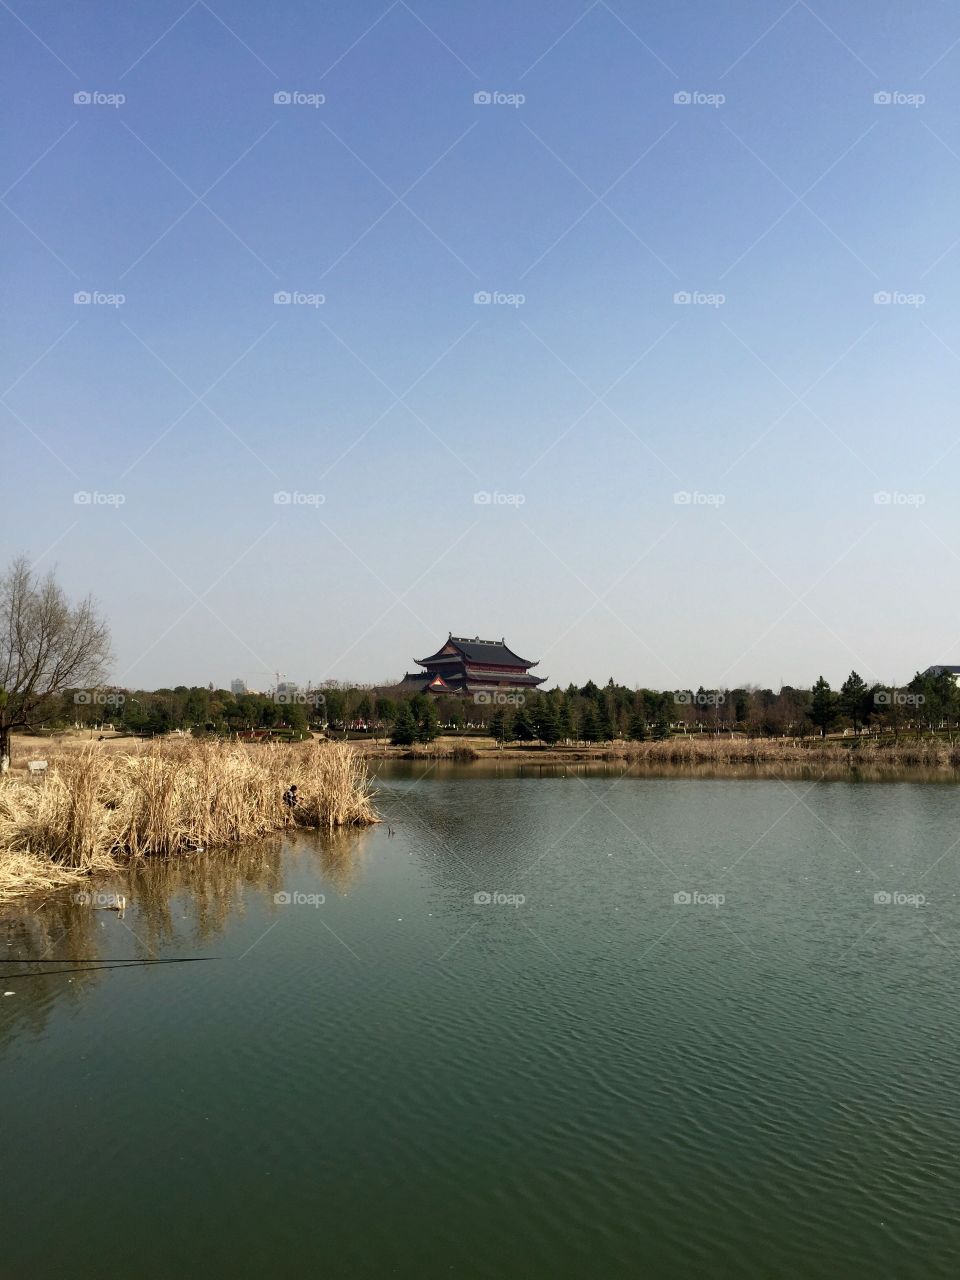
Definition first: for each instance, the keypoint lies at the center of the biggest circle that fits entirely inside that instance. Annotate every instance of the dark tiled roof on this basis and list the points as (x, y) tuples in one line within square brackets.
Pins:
[(939, 670), (484, 651)]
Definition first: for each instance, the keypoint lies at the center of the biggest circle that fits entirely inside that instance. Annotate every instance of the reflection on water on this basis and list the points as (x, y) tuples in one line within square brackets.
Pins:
[(55, 947), (423, 1075)]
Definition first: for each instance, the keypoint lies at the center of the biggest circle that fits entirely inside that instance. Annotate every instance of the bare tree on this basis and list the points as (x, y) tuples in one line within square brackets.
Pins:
[(46, 645)]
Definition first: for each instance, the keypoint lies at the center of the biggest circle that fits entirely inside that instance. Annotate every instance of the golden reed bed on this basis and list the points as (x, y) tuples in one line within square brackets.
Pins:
[(95, 807)]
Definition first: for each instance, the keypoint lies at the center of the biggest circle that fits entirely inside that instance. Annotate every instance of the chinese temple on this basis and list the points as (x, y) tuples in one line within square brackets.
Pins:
[(472, 666)]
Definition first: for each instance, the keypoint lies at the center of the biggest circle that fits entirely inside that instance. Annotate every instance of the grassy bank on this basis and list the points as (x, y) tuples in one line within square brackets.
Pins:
[(926, 752), (94, 807)]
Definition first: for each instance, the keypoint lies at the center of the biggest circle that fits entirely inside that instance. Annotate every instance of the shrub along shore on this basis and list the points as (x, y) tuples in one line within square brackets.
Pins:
[(94, 808)]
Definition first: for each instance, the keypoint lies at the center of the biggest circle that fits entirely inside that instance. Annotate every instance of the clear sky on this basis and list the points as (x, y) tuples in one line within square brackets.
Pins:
[(781, 400)]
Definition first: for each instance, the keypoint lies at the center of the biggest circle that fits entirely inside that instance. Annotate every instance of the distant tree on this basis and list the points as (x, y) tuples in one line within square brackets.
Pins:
[(523, 729), (823, 706), (564, 721), (46, 645), (661, 727), (427, 727), (501, 726), (589, 730), (638, 728), (548, 729), (404, 727), (605, 724), (853, 700)]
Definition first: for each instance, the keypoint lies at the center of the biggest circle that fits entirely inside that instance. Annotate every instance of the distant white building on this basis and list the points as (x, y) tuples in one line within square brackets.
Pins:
[(237, 687)]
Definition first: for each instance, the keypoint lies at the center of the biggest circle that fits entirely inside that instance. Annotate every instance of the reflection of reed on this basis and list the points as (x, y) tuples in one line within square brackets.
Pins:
[(168, 900), (206, 889)]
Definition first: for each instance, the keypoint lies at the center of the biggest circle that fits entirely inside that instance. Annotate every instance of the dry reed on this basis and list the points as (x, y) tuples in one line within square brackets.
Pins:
[(95, 807)]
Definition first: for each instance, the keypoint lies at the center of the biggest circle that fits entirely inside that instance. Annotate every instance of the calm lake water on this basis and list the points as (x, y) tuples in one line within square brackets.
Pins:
[(585, 1076)]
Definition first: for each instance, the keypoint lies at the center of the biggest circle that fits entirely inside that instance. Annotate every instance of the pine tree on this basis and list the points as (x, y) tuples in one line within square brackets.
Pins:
[(523, 730), (427, 728), (564, 721), (638, 728), (661, 728), (823, 706), (404, 727), (605, 726), (852, 699), (588, 725), (501, 727), (548, 730)]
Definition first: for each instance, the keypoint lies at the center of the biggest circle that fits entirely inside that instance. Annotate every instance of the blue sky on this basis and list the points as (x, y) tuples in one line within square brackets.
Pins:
[(783, 197)]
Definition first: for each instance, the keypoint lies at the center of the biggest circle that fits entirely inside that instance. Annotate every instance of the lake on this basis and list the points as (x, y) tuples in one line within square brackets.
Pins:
[(565, 1026)]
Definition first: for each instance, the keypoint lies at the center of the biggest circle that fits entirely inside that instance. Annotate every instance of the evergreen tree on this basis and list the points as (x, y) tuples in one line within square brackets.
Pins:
[(404, 727), (661, 728), (852, 699), (564, 721), (501, 726), (638, 728), (523, 730), (589, 731), (823, 706), (427, 727), (605, 726), (548, 729)]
